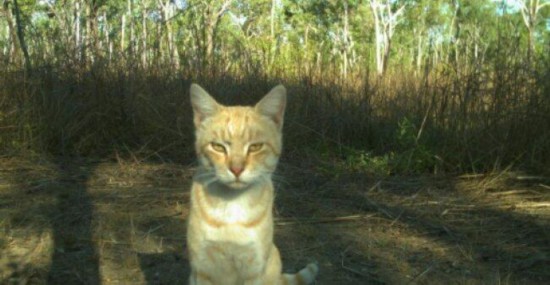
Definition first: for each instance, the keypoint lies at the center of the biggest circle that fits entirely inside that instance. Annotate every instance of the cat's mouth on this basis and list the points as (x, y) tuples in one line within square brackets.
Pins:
[(237, 184)]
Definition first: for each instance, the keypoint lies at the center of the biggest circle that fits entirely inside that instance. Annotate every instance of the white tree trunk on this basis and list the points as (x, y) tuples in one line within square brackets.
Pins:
[(385, 21), (419, 51), (8, 47), (77, 35), (530, 12), (122, 32), (144, 38)]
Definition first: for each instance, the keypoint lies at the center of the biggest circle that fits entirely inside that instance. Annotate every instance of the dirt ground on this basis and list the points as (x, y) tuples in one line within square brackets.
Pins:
[(93, 222)]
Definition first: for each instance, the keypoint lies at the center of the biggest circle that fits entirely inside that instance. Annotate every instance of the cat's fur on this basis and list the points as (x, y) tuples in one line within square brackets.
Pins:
[(230, 230)]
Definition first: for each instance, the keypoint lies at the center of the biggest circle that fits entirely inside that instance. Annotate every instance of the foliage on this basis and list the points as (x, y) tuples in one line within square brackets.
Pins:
[(462, 91)]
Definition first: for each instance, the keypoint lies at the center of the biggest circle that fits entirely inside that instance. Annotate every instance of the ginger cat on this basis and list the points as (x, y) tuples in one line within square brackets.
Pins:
[(230, 230)]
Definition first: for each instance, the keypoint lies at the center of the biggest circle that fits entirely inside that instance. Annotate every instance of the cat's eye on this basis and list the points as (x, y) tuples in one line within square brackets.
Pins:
[(218, 147), (255, 147)]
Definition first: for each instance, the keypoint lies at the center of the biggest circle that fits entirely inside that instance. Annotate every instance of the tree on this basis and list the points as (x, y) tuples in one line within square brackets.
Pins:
[(207, 16), (17, 29), (530, 11), (386, 17), (422, 32)]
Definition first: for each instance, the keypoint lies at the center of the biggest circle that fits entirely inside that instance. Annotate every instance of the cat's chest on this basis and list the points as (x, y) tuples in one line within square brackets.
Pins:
[(242, 219), (231, 213), (234, 222)]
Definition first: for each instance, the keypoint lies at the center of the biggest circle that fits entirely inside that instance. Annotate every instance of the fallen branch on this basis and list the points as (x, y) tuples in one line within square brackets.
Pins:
[(514, 192), (533, 205), (532, 177)]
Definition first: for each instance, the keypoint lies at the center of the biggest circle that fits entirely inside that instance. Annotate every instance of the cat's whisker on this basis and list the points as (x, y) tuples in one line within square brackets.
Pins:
[(210, 181), (204, 175)]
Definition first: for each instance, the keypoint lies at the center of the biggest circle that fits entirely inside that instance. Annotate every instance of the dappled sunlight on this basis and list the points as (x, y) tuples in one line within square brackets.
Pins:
[(429, 229), (388, 230), (416, 140), (26, 254), (139, 212), (26, 237)]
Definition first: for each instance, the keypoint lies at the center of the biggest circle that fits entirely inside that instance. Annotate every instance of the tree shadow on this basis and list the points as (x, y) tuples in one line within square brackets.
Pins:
[(171, 266), (508, 242), (412, 229), (74, 259), (164, 268), (64, 208)]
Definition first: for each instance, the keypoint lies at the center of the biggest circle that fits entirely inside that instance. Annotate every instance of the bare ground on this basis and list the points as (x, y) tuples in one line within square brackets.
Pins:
[(90, 222)]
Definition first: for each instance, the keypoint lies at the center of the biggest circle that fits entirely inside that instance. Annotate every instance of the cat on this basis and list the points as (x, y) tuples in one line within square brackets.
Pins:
[(230, 225)]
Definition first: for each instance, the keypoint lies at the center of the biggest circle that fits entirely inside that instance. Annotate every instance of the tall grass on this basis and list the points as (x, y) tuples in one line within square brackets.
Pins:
[(471, 121)]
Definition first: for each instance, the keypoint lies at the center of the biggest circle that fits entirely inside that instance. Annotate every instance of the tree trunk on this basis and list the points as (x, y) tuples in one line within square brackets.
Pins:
[(92, 34), (132, 41), (122, 32), (144, 37), (346, 40), (273, 49), (12, 33), (387, 49), (210, 32), (6, 51), (166, 16), (77, 34), (106, 37), (378, 39), (87, 39), (530, 43), (213, 17), (21, 36), (419, 51), (454, 52), (385, 21)]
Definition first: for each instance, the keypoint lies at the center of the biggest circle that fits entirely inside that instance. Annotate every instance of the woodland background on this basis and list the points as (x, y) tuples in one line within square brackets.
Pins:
[(397, 86), (416, 137)]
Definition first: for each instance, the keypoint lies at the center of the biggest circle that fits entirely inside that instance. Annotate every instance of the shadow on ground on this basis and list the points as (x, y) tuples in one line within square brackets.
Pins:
[(400, 230), (160, 268), (76, 222), (55, 204)]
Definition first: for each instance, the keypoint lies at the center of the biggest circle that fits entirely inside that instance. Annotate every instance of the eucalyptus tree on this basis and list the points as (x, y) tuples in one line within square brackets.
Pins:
[(422, 33), (254, 27), (530, 11), (209, 15), (387, 15), (17, 19), (325, 32)]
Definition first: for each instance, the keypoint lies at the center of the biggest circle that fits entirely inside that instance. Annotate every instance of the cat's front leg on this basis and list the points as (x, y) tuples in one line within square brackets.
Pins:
[(252, 273), (270, 272)]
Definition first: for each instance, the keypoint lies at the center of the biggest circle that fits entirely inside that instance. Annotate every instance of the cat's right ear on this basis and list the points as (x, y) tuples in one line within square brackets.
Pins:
[(203, 104)]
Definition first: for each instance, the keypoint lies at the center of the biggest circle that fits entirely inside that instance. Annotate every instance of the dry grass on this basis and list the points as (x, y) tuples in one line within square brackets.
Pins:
[(91, 222), (460, 123), (102, 197)]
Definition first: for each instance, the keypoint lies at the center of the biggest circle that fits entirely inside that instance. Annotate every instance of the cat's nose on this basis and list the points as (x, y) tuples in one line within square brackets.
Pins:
[(237, 170)]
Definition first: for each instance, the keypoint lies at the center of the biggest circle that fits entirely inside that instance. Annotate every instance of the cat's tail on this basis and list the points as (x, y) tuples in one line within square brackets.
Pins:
[(305, 276)]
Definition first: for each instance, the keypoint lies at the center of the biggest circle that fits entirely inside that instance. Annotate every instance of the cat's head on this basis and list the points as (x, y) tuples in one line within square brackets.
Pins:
[(238, 146)]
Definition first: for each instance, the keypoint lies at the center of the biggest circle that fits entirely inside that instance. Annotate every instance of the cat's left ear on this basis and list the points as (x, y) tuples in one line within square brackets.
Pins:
[(273, 105), (203, 104)]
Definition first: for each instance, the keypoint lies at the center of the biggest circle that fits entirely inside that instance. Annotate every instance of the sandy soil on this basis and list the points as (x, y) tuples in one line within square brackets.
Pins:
[(90, 222)]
